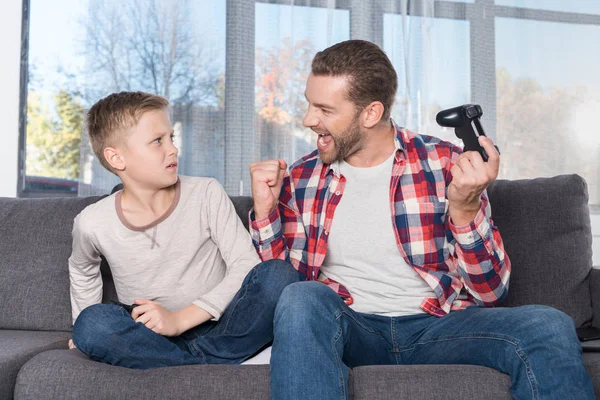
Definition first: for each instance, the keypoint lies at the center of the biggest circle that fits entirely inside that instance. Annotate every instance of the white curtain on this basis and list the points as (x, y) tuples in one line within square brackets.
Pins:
[(286, 36), (238, 88)]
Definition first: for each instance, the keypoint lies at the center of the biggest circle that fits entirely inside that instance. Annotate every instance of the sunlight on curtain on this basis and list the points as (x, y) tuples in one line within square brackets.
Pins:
[(235, 70), (172, 48)]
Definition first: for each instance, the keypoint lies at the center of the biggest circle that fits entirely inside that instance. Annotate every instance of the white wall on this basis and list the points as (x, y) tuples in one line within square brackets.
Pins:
[(10, 49)]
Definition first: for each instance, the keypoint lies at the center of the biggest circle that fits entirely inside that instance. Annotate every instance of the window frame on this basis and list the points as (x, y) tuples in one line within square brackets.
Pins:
[(365, 17)]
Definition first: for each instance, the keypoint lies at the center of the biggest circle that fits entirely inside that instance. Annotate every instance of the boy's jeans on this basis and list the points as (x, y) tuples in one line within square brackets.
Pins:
[(107, 333), (317, 337)]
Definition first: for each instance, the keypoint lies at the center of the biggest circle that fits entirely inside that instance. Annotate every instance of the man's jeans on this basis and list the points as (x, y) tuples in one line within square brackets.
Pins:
[(107, 333), (317, 337)]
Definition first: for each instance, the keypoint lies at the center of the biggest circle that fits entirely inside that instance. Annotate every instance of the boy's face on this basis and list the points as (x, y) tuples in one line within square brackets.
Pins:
[(150, 155)]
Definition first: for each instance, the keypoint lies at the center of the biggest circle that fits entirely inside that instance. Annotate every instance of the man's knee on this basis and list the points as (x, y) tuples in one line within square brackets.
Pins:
[(542, 321), (554, 320), (304, 300)]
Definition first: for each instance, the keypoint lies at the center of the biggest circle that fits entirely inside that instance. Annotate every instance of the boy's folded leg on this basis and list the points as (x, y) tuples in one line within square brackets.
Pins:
[(107, 333), (246, 326)]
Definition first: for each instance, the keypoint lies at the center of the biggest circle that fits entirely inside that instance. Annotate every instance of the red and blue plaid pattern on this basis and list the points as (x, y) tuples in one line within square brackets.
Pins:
[(464, 265)]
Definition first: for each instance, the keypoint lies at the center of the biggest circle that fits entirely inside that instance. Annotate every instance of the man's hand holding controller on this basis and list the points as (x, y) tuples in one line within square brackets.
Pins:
[(474, 169), (266, 178)]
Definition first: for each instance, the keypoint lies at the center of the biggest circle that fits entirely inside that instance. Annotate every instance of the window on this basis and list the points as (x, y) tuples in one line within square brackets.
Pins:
[(548, 92), (576, 6), (81, 51), (431, 58), (287, 38), (531, 70)]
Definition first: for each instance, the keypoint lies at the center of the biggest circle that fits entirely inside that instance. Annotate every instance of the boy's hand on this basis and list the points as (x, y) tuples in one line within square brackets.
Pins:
[(155, 317), (71, 345)]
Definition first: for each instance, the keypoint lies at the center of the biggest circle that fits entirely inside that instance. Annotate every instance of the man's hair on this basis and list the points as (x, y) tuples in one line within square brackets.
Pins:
[(370, 74), (109, 119)]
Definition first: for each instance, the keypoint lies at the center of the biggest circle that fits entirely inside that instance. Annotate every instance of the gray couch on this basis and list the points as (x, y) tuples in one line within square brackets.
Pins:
[(544, 222)]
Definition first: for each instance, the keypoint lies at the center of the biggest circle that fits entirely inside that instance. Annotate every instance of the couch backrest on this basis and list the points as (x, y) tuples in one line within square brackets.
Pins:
[(545, 226), (35, 245), (544, 223)]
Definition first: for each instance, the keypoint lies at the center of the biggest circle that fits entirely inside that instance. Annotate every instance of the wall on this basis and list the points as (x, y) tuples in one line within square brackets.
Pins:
[(10, 47)]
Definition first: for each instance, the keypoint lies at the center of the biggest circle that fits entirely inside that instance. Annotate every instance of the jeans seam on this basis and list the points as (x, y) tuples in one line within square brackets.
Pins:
[(200, 352), (393, 330), (530, 376), (341, 311), (337, 362), (245, 288), (518, 350), (505, 338)]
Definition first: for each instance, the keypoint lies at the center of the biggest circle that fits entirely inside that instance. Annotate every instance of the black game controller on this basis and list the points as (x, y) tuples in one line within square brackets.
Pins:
[(467, 126)]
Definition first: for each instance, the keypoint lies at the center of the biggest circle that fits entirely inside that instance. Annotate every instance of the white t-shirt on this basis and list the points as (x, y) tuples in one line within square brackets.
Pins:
[(362, 253)]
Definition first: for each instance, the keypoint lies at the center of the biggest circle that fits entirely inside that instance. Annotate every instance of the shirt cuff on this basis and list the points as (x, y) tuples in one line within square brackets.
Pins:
[(475, 231), (266, 227), (209, 308)]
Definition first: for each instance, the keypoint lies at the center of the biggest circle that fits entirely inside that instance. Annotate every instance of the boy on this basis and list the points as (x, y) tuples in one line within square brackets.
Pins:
[(177, 250)]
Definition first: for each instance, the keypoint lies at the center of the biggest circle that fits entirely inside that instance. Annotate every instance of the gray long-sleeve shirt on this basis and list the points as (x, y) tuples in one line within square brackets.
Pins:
[(198, 252)]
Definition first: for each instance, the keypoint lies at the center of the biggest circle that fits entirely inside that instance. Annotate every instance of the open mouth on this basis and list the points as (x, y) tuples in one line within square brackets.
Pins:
[(324, 141), (172, 166)]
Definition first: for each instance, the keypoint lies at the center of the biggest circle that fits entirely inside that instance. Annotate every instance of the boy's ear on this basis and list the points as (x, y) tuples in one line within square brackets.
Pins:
[(116, 160)]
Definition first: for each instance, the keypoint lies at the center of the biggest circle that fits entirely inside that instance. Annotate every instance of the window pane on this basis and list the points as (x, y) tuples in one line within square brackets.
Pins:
[(432, 59), (81, 51), (576, 6), (287, 38), (548, 100)]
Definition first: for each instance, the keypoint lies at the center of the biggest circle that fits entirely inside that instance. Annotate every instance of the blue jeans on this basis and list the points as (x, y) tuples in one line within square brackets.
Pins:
[(107, 333), (318, 337)]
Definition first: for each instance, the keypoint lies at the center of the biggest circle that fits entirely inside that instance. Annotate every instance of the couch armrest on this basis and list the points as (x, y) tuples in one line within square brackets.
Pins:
[(595, 292)]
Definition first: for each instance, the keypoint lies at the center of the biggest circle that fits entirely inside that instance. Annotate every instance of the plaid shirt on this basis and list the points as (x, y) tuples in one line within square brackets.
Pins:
[(464, 265)]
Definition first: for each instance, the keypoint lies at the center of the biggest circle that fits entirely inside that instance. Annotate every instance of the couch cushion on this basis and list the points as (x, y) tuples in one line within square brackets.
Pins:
[(242, 205), (68, 374), (35, 245), (17, 347), (545, 225), (592, 365), (429, 382)]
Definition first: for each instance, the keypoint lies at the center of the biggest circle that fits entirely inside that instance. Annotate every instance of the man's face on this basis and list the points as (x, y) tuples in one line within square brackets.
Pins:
[(333, 117), (150, 156)]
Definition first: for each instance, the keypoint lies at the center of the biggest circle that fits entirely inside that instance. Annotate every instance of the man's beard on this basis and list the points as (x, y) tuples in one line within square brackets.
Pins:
[(344, 144)]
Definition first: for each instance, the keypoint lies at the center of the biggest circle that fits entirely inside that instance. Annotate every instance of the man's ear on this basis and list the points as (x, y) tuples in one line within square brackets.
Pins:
[(372, 114), (114, 158)]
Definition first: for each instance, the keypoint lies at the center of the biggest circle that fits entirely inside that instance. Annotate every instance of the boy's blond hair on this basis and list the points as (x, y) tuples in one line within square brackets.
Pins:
[(109, 119)]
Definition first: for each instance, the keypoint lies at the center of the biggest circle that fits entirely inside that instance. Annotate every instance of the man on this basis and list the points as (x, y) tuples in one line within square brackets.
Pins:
[(398, 225)]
